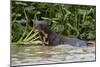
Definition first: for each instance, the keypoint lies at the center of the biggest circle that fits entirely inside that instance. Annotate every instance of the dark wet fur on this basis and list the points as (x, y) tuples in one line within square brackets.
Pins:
[(56, 39)]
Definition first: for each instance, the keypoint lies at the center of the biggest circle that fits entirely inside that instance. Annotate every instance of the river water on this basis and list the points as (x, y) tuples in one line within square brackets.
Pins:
[(32, 55)]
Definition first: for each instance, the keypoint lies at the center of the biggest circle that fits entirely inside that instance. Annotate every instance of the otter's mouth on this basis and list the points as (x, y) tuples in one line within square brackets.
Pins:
[(41, 31), (38, 30)]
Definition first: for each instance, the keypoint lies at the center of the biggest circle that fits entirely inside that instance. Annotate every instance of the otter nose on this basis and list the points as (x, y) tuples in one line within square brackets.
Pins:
[(36, 29)]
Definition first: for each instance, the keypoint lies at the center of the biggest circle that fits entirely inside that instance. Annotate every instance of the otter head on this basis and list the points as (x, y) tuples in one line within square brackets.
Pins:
[(41, 26)]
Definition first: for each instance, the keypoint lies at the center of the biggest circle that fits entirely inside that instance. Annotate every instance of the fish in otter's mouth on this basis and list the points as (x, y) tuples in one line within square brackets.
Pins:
[(40, 27)]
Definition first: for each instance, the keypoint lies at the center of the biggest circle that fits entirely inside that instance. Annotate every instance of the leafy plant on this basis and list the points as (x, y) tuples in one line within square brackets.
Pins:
[(69, 20), (28, 38)]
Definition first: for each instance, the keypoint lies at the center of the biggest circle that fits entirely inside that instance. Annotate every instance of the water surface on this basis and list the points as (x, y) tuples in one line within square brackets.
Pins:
[(28, 55)]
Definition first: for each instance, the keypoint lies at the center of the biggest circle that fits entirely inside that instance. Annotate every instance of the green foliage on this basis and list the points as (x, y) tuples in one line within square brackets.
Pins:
[(28, 38), (69, 20)]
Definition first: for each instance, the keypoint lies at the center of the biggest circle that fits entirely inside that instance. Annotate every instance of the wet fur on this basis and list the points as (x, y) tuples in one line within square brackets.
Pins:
[(51, 38)]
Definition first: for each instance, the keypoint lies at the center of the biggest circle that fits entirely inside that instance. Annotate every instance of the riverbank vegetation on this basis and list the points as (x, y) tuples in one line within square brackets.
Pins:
[(65, 19)]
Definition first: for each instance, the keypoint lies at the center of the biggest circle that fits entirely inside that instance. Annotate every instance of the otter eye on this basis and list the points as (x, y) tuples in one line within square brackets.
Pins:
[(40, 25)]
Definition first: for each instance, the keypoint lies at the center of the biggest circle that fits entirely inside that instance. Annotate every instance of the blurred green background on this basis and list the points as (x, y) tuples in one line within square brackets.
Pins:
[(65, 19)]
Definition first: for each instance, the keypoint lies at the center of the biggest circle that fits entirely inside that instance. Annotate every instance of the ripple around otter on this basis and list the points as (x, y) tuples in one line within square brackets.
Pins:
[(29, 55)]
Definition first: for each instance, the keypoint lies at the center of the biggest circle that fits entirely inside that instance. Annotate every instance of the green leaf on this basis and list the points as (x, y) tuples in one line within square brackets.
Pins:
[(21, 3)]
